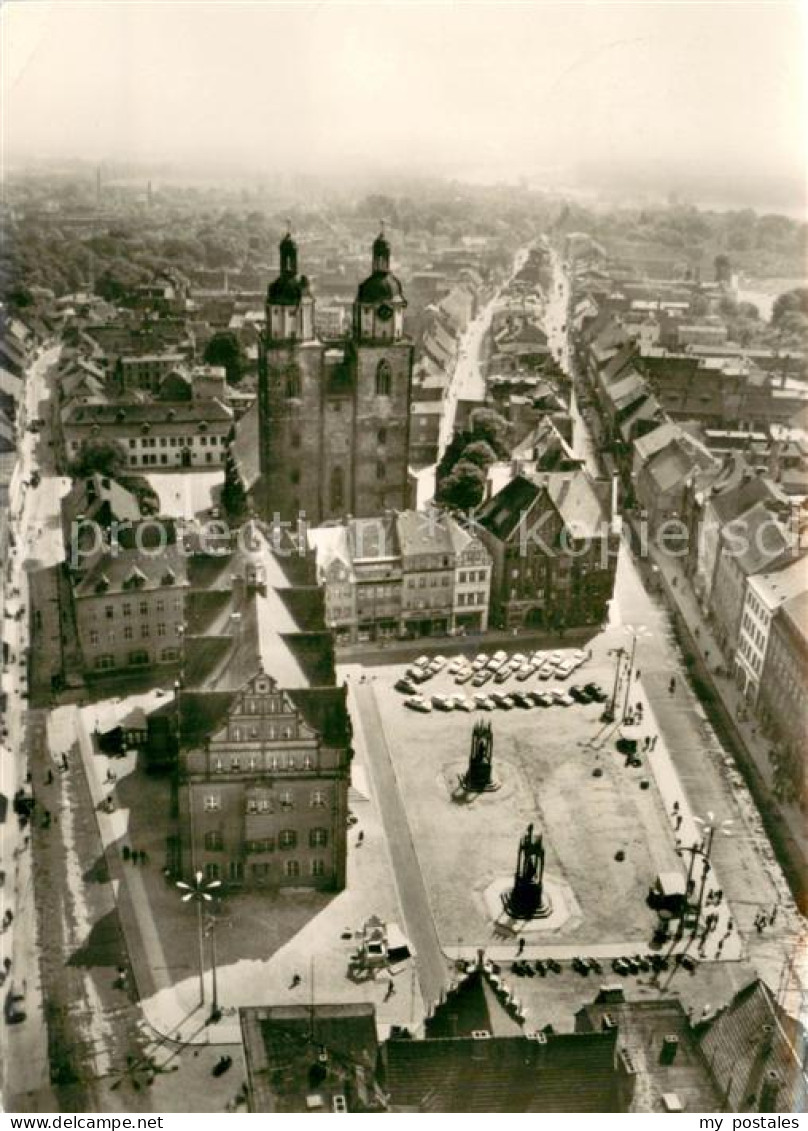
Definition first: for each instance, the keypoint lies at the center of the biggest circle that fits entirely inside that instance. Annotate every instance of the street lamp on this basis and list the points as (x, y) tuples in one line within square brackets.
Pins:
[(200, 892), (703, 848), (608, 712), (636, 631)]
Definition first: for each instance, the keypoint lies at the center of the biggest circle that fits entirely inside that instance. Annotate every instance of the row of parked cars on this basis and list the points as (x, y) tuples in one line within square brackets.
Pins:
[(494, 700), (499, 667), (638, 963)]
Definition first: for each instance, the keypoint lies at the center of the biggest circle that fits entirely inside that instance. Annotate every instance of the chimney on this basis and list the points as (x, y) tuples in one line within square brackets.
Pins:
[(770, 1091)]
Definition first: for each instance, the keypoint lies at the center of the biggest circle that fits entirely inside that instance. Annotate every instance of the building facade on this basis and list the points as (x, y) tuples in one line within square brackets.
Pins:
[(264, 793), (553, 550), (187, 434), (334, 417)]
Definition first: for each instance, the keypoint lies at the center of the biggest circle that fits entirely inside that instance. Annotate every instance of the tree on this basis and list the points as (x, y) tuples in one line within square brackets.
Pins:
[(792, 302), (107, 457), (463, 489), (480, 453), (723, 268), (488, 425), (225, 349)]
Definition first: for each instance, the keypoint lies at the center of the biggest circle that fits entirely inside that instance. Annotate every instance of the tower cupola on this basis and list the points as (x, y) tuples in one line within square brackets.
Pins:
[(380, 302), (290, 306)]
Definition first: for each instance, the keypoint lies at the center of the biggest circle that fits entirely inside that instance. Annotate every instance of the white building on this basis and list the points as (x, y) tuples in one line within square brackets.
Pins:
[(765, 593)]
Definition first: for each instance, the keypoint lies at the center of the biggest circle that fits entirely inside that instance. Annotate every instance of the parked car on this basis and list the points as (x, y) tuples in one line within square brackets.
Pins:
[(580, 694), (461, 703), (502, 700), (503, 673), (579, 657), (419, 675), (418, 703), (561, 698), (565, 669), (525, 672), (464, 675), (546, 670), (406, 686), (482, 676), (483, 703), (554, 965), (442, 702), (519, 658), (596, 692), (422, 662), (540, 699), (521, 699), (437, 665), (456, 664)]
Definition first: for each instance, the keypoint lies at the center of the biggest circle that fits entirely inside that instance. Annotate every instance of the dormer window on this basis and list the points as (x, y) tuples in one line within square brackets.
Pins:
[(168, 578)]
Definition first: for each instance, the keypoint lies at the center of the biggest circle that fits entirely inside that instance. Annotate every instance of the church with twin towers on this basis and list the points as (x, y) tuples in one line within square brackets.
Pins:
[(334, 415)]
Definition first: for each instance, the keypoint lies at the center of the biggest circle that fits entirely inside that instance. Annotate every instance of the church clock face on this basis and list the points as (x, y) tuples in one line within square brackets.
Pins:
[(385, 312)]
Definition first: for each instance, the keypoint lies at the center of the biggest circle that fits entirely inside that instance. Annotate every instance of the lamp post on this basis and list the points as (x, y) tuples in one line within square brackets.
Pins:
[(636, 631), (200, 892), (608, 712), (703, 848)]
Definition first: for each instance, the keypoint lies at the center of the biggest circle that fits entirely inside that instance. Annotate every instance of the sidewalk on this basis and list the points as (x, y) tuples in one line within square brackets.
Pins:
[(748, 731)]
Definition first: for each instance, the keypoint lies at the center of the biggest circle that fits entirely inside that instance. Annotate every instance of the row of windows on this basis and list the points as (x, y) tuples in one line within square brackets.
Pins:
[(472, 575), (268, 730), (128, 633), (212, 802), (291, 869), (148, 460), (136, 659), (144, 608), (434, 580), (479, 598), (274, 763), (176, 441), (287, 838)]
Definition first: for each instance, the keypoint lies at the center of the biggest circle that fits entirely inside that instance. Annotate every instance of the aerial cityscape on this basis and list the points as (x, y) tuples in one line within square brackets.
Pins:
[(404, 523)]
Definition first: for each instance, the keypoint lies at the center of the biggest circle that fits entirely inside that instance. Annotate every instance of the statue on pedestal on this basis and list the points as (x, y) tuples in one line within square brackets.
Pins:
[(526, 899), (478, 777)]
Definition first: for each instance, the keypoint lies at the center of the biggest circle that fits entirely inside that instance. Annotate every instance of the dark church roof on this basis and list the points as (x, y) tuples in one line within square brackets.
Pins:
[(287, 290), (381, 286)]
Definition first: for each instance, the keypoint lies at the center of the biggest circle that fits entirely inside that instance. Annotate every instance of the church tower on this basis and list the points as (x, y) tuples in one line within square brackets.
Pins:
[(381, 358), (289, 401), (334, 420)]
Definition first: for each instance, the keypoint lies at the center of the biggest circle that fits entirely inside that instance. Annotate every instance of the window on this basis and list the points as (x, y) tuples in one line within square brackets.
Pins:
[(381, 469), (144, 608), (127, 632), (93, 637), (235, 764), (160, 606), (381, 436), (214, 842), (104, 662), (293, 381), (236, 871), (144, 631), (286, 799), (318, 838), (337, 489), (287, 838), (109, 612), (212, 802), (318, 800), (294, 475), (292, 868), (127, 610), (161, 629), (384, 379), (211, 871), (294, 440), (318, 867)]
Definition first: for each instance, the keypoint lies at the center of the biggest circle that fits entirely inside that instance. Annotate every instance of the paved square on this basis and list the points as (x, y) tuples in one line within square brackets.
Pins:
[(544, 763)]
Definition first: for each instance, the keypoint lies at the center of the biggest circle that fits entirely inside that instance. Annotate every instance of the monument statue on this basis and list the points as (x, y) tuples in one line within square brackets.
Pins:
[(527, 899), (477, 777)]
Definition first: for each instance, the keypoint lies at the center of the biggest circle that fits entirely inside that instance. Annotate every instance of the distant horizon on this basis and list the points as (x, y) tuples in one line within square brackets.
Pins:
[(705, 100)]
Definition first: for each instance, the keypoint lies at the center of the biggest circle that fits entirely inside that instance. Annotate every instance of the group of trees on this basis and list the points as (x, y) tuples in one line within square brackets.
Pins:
[(461, 473)]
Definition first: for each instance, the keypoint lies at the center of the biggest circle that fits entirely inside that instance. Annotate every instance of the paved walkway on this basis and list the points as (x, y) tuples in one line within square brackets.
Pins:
[(748, 731), (413, 898)]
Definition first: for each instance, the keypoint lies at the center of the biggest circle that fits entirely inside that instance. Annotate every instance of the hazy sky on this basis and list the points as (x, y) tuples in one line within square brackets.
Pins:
[(461, 87)]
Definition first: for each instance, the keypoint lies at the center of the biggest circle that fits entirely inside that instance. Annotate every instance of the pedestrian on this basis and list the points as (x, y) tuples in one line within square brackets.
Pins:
[(296, 980), (773, 916), (637, 674), (654, 741), (49, 777), (391, 989), (672, 685), (521, 946), (706, 654), (360, 838), (678, 822), (64, 762), (126, 852), (676, 806)]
